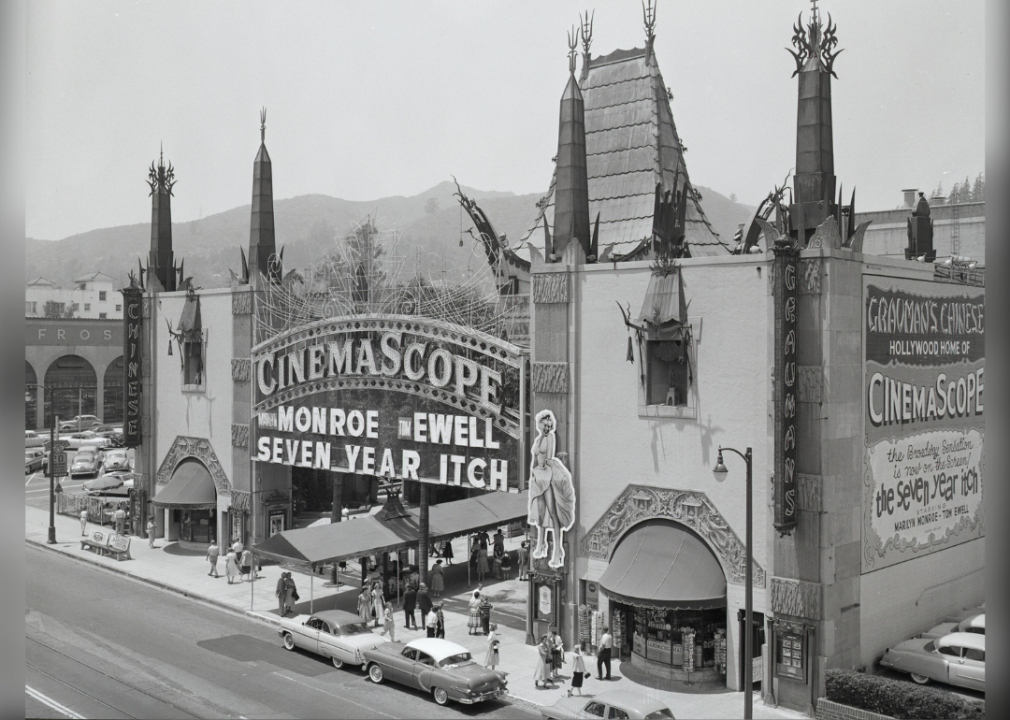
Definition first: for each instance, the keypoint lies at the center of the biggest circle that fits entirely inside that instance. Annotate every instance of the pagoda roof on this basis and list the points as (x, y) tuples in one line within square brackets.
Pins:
[(631, 146)]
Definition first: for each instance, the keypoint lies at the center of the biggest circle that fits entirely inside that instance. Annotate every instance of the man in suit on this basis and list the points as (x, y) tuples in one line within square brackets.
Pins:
[(409, 603)]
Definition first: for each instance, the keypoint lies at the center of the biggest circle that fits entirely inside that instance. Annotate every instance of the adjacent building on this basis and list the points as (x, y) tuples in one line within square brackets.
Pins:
[(93, 296)]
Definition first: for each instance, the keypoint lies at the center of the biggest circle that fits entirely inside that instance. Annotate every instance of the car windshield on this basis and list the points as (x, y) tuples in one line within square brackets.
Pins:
[(658, 714), (354, 628), (84, 457), (929, 647), (457, 659)]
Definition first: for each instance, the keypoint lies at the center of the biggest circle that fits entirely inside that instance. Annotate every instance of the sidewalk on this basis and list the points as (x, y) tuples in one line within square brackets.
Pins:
[(171, 568)]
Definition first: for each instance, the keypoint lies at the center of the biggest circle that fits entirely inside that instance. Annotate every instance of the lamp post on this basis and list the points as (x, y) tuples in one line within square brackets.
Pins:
[(51, 539), (748, 653)]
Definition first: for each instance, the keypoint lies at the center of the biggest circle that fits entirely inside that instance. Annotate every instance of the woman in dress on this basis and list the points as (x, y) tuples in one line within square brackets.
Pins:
[(542, 674), (290, 593), (437, 582), (524, 560), (492, 648), (364, 605), (473, 618), (447, 552), (245, 565), (378, 603), (499, 553), (558, 658), (482, 567), (231, 566), (578, 670), (440, 626), (388, 626), (552, 495)]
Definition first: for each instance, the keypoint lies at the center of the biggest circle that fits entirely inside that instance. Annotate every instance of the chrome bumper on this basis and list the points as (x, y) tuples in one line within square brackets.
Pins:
[(470, 700)]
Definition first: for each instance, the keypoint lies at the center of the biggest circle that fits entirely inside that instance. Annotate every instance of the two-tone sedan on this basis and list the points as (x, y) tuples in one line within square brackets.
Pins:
[(438, 666), (34, 460), (116, 460), (955, 659), (86, 462), (608, 704), (338, 635)]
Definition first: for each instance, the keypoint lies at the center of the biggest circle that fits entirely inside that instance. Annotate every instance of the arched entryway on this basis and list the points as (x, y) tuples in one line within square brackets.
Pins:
[(667, 593), (31, 397), (73, 388), (113, 400), (191, 501)]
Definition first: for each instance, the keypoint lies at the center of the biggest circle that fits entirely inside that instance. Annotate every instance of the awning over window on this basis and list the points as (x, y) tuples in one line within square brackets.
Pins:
[(370, 534), (664, 303), (191, 487), (662, 565)]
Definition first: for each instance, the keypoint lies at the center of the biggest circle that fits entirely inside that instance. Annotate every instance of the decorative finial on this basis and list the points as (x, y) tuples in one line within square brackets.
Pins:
[(649, 14), (817, 17), (814, 41), (573, 42), (263, 124), (160, 178), (587, 31)]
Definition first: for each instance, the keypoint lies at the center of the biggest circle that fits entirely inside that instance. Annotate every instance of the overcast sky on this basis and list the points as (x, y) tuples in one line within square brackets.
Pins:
[(368, 100)]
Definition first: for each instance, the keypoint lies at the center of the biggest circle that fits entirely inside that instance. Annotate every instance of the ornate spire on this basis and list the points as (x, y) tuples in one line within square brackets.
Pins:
[(649, 15), (571, 209), (161, 259), (587, 39), (262, 239)]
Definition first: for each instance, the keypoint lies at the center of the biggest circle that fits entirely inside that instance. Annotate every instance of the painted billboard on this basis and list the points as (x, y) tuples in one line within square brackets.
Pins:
[(923, 418), (391, 396)]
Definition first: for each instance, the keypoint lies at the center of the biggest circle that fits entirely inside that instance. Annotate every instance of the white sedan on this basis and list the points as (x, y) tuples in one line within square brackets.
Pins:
[(338, 635), (955, 659)]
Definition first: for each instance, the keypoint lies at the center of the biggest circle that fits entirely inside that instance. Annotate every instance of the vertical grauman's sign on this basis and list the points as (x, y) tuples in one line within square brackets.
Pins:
[(923, 405), (132, 298), (785, 387)]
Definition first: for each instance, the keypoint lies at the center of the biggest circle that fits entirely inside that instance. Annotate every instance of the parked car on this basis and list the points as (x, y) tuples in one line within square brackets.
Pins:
[(438, 666), (96, 443), (79, 422), (73, 441), (608, 704), (115, 459), (955, 659), (34, 460), (85, 463), (34, 440), (110, 484), (340, 636), (972, 624)]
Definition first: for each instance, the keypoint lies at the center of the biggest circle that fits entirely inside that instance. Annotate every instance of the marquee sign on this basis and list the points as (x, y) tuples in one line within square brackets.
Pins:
[(391, 396), (923, 401), (132, 299)]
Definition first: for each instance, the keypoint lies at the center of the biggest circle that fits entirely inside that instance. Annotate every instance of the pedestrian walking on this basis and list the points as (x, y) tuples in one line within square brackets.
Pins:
[(84, 522), (506, 565), (431, 622), (388, 626), (485, 608), (492, 647), (245, 565), (482, 567), (437, 581), (499, 553), (423, 601), (558, 655), (524, 560), (364, 605), (578, 670), (280, 593), (447, 552), (473, 618), (231, 566), (213, 551), (542, 673), (409, 603), (290, 593), (440, 627), (120, 520), (499, 540), (603, 654), (378, 603), (150, 532)]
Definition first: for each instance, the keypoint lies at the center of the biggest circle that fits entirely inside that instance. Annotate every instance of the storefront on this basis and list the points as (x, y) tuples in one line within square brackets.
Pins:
[(667, 605), (190, 502)]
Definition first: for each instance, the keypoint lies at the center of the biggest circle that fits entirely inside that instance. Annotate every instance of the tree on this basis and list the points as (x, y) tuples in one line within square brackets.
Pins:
[(54, 309), (978, 191)]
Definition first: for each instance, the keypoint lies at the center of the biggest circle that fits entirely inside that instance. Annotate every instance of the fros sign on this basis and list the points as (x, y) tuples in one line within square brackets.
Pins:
[(392, 397)]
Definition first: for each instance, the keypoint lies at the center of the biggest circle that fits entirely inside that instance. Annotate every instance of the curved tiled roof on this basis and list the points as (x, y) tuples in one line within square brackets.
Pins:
[(631, 145)]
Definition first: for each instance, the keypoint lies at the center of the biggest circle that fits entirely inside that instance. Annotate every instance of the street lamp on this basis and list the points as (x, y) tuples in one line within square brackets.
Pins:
[(748, 652), (52, 452)]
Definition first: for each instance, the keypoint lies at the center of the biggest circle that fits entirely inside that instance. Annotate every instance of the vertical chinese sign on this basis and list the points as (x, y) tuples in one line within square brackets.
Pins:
[(923, 403), (785, 387), (132, 299)]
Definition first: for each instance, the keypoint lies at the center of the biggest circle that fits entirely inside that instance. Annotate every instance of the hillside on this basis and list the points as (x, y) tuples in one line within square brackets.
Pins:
[(307, 226)]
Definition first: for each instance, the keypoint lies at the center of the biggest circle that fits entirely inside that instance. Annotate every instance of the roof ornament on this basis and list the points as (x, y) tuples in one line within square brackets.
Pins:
[(649, 15), (573, 42), (263, 124), (160, 178), (814, 41), (587, 39)]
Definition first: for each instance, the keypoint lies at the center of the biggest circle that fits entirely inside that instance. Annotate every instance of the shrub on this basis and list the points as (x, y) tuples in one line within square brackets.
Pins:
[(897, 698)]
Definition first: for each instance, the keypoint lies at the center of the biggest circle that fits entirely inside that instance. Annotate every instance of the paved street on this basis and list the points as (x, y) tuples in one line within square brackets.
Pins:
[(103, 645)]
